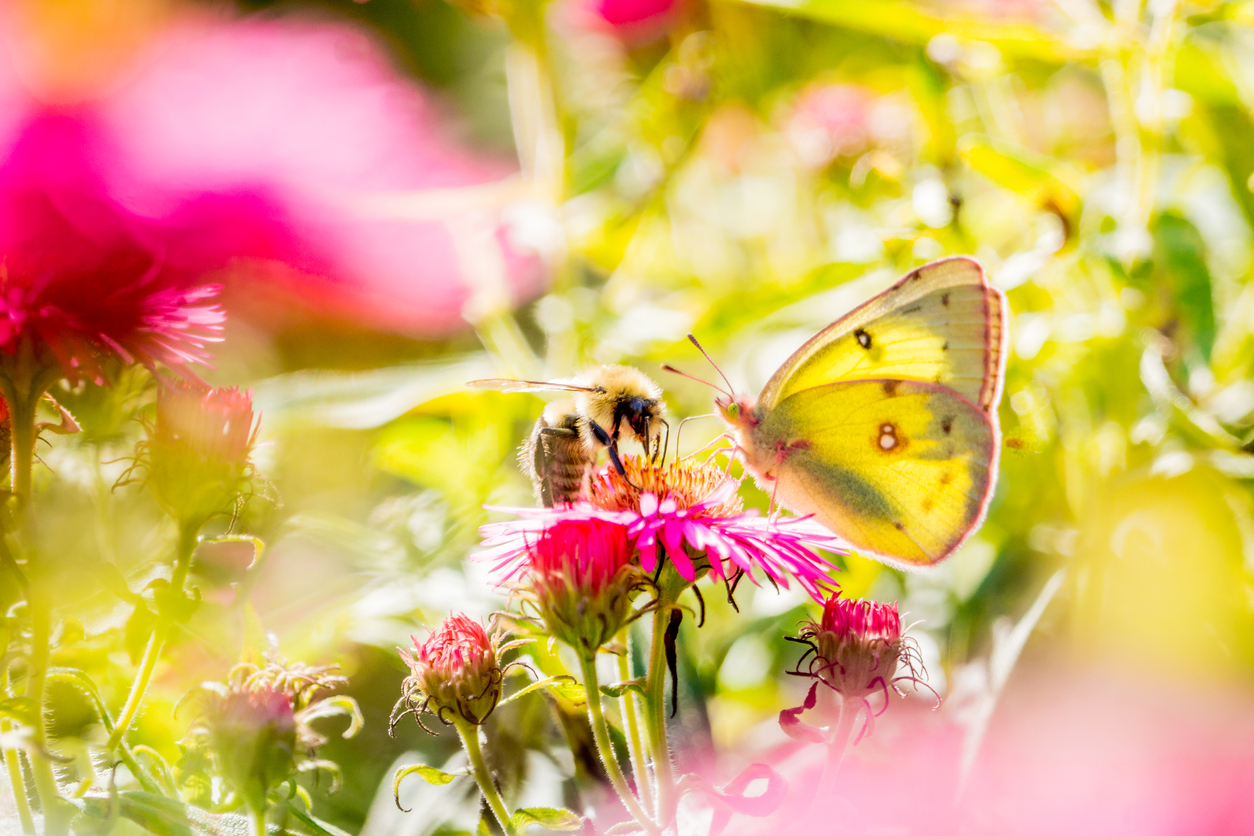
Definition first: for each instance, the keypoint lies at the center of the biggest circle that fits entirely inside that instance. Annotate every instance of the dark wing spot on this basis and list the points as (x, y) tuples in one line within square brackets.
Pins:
[(890, 387), (947, 478), (899, 526), (945, 299), (945, 347), (928, 504), (864, 339), (947, 424), (911, 309)]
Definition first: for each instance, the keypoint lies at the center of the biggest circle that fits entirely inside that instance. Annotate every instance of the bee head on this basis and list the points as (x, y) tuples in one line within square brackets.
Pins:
[(641, 416)]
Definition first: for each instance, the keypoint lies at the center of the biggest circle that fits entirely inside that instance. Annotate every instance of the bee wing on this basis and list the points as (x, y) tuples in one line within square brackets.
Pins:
[(506, 384)]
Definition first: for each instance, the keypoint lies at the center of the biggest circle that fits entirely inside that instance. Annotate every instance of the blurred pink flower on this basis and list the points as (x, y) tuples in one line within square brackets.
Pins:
[(296, 155), (308, 131), (82, 279), (828, 121), (630, 21), (1065, 753)]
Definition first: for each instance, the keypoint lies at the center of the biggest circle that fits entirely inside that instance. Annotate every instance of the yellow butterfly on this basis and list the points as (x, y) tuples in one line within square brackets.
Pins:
[(884, 425)]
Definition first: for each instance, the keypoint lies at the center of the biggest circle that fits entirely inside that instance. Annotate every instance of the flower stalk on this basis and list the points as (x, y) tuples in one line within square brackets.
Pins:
[(469, 734), (655, 716), (188, 533), (605, 748), (632, 727)]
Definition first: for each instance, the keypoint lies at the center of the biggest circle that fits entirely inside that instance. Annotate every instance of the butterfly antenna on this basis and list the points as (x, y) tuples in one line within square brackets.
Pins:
[(666, 367), (730, 388)]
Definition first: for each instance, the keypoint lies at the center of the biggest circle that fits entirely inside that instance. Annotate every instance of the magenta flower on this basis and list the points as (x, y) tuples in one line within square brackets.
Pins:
[(338, 178), (83, 280), (289, 157), (857, 649), (688, 515), (456, 670), (581, 578), (636, 21)]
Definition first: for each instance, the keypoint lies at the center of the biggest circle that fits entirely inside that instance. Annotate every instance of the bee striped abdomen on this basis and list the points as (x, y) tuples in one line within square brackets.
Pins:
[(554, 457)]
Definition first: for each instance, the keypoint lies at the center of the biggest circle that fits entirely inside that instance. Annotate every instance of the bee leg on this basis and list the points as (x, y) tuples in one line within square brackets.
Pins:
[(664, 445), (611, 446)]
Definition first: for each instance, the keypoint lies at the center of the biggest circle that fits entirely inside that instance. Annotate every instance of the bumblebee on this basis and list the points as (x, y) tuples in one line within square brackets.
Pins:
[(610, 403)]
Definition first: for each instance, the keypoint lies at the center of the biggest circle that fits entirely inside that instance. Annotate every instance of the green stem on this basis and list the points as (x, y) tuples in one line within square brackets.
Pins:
[(258, 822), (601, 733), (22, 455), (836, 749), (156, 642), (632, 729), (655, 716), (469, 734), (41, 766), (13, 764)]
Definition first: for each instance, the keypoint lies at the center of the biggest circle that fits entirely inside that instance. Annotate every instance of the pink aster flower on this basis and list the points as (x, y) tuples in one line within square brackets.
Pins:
[(856, 649), (686, 515), (83, 280), (581, 578)]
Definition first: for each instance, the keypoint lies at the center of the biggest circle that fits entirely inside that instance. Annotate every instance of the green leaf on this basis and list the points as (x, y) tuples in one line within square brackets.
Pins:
[(619, 688), (84, 685), (19, 709), (917, 24), (166, 816), (538, 684), (340, 706), (427, 773), (315, 825), (549, 818), (1030, 175)]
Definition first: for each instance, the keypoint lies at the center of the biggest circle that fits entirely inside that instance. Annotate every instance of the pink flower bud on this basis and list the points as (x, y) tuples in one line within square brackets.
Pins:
[(197, 451), (858, 644), (456, 670)]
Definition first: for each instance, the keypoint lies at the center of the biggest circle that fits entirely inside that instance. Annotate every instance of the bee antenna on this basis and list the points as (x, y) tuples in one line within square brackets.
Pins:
[(730, 389)]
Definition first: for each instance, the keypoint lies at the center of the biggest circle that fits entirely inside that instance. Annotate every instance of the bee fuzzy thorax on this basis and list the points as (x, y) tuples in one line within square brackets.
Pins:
[(624, 403)]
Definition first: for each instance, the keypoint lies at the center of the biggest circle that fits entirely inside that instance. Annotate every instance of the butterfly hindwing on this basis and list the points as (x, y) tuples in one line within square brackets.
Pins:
[(942, 323), (901, 469)]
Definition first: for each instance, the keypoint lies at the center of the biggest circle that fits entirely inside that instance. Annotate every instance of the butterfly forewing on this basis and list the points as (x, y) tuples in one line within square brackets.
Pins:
[(901, 469), (940, 324)]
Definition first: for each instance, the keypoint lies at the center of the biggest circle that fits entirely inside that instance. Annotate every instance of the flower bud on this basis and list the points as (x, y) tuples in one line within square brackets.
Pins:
[(253, 736), (857, 645), (255, 730), (197, 450), (582, 581), (456, 670)]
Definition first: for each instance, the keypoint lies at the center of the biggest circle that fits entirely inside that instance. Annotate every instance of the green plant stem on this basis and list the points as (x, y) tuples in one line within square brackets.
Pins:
[(601, 733), (13, 764), (836, 748), (632, 729), (36, 676), (257, 820), (655, 717), (469, 734), (156, 642)]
